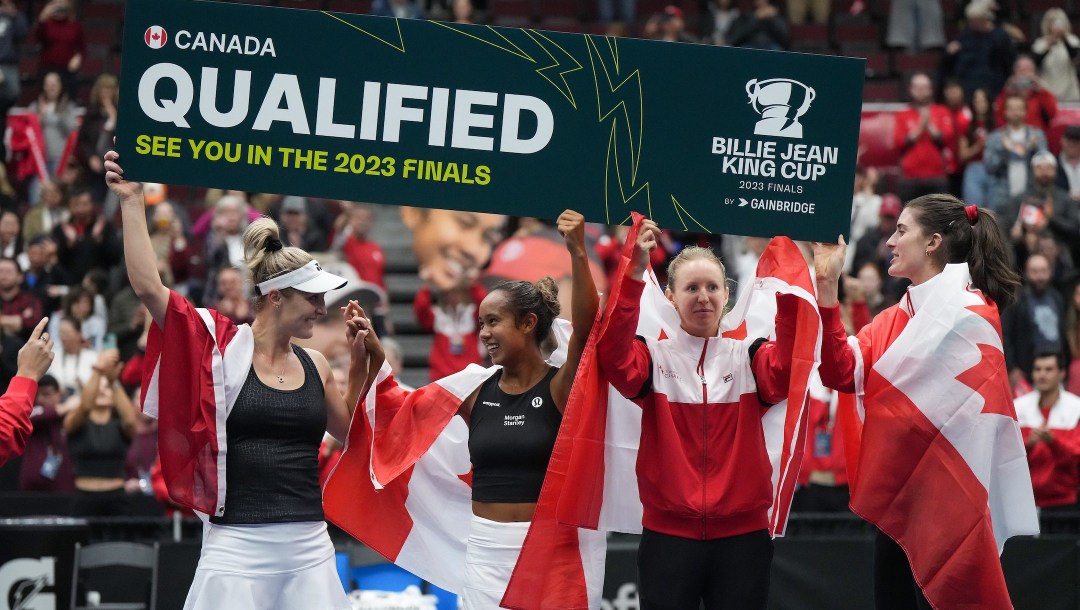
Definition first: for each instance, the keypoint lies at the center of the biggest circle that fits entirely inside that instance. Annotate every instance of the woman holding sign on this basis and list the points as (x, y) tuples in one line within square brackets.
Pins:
[(942, 468), (263, 401), (703, 468), (513, 411)]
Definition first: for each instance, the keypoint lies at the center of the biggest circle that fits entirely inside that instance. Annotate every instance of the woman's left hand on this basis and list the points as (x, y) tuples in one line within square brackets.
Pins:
[(571, 226)]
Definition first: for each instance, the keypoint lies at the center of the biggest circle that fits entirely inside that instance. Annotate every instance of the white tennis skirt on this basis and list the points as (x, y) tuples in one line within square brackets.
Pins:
[(490, 556), (271, 566)]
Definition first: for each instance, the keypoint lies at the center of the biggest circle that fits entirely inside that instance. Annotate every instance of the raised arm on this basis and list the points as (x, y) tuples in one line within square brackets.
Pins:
[(626, 361), (583, 303), (138, 251), (76, 418), (18, 401), (837, 358)]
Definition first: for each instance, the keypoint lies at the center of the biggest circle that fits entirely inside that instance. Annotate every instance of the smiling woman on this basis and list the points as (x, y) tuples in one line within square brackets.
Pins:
[(240, 434)]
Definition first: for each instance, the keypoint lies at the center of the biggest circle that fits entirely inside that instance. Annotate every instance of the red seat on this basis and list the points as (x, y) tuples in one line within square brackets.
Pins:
[(881, 91), (348, 6), (876, 139), (921, 62)]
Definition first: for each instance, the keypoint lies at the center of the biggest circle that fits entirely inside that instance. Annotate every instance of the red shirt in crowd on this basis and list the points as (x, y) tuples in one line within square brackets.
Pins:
[(27, 307), (1054, 464), (367, 258), (61, 39), (457, 340), (1041, 108), (926, 157)]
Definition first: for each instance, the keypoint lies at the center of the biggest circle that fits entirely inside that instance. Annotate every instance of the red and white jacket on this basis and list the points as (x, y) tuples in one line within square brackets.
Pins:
[(703, 468), (1055, 466)]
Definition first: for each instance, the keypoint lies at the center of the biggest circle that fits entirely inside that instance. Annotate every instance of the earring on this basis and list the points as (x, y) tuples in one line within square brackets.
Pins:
[(927, 253)]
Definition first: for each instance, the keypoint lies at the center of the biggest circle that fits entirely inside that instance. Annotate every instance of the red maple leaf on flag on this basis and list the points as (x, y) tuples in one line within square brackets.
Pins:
[(988, 379)]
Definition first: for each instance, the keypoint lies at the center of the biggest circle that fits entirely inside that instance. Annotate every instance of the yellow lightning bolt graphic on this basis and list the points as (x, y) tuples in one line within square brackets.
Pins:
[(565, 89), (400, 46)]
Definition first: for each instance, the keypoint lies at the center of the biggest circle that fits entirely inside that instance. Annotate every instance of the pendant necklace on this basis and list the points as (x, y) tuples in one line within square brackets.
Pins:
[(281, 376)]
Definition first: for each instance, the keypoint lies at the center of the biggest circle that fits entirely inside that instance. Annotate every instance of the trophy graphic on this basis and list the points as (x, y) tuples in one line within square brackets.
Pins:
[(780, 102)]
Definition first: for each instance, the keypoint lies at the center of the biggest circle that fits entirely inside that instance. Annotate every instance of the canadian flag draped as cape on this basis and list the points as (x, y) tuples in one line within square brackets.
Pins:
[(401, 486), (592, 481), (193, 371), (941, 465)]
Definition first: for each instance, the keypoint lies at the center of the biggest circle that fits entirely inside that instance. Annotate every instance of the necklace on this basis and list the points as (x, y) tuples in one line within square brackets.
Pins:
[(281, 375)]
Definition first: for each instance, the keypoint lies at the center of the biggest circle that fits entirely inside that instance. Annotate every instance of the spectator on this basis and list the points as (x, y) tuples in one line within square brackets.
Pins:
[(872, 279), (817, 10), (922, 134), (224, 244), (44, 278), (1072, 335), (871, 247), (78, 305), (668, 26), (976, 185), (232, 301), (99, 433), (865, 206), (1061, 261), (56, 113), (621, 11), (982, 55), (46, 465), (401, 9), (19, 309), (1049, 419), (96, 133), (13, 29), (1035, 323), (74, 359), (1055, 52), (450, 312), (16, 405), (49, 212), (955, 104), (1068, 176), (63, 43), (11, 239), (8, 200), (823, 482), (180, 256), (1008, 155), (365, 255), (916, 25), (95, 283), (1040, 103), (760, 28), (1044, 205), (462, 11), (722, 15), (297, 229), (87, 240)]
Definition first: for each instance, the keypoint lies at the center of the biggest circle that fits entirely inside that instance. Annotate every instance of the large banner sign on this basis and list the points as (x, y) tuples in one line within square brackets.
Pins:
[(488, 119)]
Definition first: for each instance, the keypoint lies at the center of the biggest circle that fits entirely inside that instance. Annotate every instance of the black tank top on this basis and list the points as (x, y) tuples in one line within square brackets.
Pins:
[(510, 440), (272, 459), (99, 450)]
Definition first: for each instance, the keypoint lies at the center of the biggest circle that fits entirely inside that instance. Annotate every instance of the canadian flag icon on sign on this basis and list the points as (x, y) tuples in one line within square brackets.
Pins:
[(155, 37)]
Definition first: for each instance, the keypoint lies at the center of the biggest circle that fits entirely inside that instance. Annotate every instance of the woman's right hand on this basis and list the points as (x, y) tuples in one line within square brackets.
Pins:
[(829, 260), (357, 322), (648, 239), (114, 177)]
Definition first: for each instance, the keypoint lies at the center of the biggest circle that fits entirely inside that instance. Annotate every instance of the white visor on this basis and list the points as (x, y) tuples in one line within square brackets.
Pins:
[(309, 278)]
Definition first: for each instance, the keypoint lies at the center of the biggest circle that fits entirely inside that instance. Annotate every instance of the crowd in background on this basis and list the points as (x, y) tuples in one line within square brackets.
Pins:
[(977, 127)]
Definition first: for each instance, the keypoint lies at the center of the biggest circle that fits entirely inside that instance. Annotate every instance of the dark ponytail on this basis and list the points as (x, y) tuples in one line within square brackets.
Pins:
[(976, 240)]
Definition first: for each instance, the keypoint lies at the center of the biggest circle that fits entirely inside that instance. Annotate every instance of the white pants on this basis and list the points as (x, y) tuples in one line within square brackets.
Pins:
[(490, 555), (272, 566)]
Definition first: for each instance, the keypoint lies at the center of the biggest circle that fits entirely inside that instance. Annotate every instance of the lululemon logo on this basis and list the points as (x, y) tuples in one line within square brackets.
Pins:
[(780, 102), (537, 402), (155, 37)]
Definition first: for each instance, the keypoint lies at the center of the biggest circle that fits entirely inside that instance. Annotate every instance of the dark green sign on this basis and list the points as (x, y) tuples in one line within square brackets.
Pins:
[(488, 119)]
